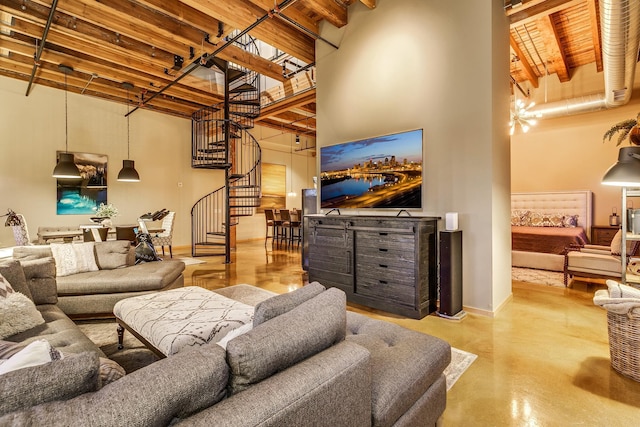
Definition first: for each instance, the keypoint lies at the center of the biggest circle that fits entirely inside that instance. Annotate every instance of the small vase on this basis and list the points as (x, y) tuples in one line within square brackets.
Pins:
[(107, 223)]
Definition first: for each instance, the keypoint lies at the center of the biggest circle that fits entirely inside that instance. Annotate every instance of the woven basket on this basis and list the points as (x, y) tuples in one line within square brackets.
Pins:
[(624, 344)]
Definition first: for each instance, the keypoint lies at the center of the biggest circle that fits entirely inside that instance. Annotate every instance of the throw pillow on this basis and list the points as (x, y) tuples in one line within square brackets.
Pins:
[(9, 348), (556, 220), (73, 258), (536, 219), (616, 243), (280, 304), (109, 371), (59, 380), (234, 333), (17, 313), (35, 353), (287, 339), (13, 272), (5, 287)]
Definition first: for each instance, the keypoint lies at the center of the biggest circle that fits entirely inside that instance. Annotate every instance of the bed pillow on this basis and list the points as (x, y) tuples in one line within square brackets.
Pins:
[(556, 220), (536, 219), (616, 244)]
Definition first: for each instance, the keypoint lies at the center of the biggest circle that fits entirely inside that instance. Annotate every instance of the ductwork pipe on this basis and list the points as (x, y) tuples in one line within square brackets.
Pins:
[(620, 27)]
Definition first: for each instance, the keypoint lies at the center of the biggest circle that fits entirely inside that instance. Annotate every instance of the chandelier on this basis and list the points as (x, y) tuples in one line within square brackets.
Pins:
[(521, 115)]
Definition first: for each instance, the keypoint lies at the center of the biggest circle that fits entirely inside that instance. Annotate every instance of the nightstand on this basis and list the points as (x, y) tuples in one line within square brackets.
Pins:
[(603, 234)]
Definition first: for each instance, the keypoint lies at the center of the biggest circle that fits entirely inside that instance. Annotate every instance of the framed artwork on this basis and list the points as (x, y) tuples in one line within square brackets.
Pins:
[(274, 187), (82, 196)]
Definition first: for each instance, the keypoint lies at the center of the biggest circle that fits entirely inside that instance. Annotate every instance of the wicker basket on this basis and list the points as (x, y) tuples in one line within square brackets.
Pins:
[(624, 343)]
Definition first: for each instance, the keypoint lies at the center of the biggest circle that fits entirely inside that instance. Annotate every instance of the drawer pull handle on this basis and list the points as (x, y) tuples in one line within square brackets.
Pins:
[(382, 265), (383, 249), (383, 234), (383, 282)]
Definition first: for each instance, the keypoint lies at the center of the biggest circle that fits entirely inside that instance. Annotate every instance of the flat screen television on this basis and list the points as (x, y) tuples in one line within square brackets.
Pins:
[(380, 172)]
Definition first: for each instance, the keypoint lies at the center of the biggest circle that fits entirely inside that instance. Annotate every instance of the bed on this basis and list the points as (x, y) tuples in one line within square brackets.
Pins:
[(567, 217)]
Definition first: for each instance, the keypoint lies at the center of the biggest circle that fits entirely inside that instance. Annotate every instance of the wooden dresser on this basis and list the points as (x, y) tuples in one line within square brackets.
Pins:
[(387, 263)]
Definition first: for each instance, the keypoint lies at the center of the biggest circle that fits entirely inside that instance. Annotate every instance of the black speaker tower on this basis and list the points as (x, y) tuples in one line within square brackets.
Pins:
[(450, 274)]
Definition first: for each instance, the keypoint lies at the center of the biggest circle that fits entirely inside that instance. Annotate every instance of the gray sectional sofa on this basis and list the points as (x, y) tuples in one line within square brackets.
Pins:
[(94, 293), (306, 362)]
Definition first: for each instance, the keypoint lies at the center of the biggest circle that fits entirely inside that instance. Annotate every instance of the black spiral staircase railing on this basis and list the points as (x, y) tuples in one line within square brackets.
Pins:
[(220, 141)]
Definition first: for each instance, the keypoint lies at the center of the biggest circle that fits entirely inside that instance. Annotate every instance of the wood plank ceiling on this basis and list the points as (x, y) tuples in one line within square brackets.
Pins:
[(552, 37), (109, 42)]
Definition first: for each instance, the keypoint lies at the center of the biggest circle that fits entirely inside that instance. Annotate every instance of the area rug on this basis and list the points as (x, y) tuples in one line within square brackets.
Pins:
[(189, 261), (540, 277), (135, 355), (104, 334), (460, 362)]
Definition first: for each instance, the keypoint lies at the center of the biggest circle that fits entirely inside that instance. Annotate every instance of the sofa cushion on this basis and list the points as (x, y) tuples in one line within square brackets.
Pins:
[(32, 252), (58, 380), (112, 254), (287, 339), (17, 312), (177, 386), (142, 277), (404, 364), (41, 279), (280, 304), (13, 272), (60, 331), (72, 258)]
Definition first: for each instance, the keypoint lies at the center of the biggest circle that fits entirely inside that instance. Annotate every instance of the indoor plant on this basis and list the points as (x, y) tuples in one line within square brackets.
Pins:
[(104, 213), (627, 128)]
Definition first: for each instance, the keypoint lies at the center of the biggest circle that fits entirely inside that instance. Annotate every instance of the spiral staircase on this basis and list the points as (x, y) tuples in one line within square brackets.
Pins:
[(220, 140)]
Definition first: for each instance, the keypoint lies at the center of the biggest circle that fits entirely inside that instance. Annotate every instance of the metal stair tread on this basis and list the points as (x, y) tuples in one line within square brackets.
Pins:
[(245, 87)]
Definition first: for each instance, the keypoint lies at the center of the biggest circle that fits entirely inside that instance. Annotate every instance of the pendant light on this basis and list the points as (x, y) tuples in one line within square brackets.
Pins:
[(128, 172), (66, 167)]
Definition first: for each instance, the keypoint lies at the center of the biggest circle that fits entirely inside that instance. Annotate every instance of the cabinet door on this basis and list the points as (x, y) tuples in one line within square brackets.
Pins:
[(331, 257)]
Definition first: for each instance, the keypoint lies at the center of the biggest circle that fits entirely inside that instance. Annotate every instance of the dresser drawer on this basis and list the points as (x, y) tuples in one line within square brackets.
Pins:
[(389, 290)]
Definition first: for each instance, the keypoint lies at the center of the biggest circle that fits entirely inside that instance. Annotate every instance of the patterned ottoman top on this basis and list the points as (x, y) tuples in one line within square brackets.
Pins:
[(188, 316)]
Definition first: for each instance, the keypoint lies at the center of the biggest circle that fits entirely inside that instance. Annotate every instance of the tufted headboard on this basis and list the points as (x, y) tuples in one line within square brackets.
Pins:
[(569, 202)]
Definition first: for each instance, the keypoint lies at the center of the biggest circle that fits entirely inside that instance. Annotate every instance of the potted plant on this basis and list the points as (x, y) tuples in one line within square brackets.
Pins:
[(626, 128), (104, 213)]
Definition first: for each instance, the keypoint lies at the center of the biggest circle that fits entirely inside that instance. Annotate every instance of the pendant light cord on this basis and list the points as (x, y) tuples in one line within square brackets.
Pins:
[(128, 158), (66, 117)]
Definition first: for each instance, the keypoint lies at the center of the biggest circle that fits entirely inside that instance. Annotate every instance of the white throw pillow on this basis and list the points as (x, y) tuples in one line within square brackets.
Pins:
[(17, 314), (235, 333), (72, 258), (36, 353)]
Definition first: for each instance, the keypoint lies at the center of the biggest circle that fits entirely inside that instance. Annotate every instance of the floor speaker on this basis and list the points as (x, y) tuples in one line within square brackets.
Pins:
[(450, 273)]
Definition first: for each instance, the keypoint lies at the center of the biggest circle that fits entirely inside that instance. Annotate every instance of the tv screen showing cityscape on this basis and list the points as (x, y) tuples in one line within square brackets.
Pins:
[(380, 172)]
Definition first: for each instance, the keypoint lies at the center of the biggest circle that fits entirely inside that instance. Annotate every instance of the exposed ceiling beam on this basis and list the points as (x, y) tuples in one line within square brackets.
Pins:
[(287, 104), (526, 67), (534, 10), (330, 10), (553, 48), (595, 33)]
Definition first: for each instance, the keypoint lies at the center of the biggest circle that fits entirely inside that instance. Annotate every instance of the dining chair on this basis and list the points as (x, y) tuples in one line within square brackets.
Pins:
[(165, 237), (295, 227), (270, 223), (285, 217)]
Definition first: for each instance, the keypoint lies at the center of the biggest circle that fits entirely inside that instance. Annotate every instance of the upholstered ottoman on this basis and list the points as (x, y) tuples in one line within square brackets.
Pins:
[(171, 320)]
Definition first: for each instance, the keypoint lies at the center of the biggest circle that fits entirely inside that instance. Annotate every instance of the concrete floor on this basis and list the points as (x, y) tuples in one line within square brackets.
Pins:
[(542, 361)]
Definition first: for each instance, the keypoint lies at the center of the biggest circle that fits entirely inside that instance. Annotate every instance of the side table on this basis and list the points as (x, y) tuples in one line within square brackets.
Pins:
[(603, 234)]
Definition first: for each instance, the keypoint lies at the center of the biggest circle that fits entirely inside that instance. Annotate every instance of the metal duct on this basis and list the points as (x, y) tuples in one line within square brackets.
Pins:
[(620, 27)]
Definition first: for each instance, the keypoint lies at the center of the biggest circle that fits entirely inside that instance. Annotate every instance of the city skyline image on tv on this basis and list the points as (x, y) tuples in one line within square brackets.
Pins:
[(379, 172)]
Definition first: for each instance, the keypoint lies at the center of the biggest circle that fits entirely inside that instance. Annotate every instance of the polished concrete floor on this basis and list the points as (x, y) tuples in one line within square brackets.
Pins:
[(542, 361)]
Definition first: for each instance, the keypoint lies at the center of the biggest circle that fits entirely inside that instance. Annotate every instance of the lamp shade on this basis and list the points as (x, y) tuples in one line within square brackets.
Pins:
[(626, 172), (66, 168), (128, 172)]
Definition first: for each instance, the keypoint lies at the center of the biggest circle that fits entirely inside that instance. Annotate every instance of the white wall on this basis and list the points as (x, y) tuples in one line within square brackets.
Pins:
[(409, 64), (33, 129)]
